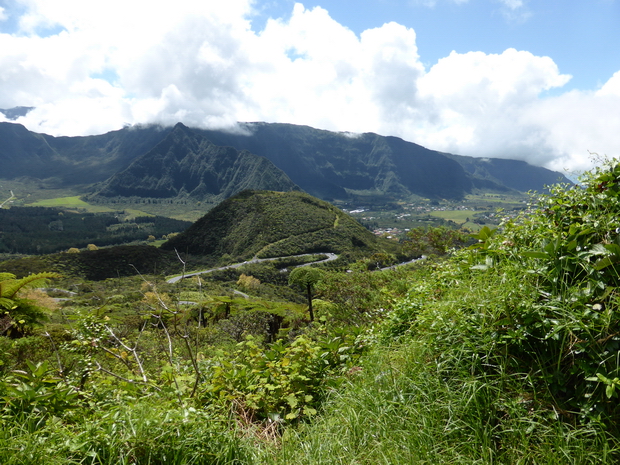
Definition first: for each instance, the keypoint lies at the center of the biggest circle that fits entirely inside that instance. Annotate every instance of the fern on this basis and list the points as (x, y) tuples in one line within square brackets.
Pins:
[(22, 312), (9, 286)]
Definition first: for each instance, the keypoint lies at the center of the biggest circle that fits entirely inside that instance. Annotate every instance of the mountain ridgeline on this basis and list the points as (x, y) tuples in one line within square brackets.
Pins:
[(179, 162), (187, 164), (333, 165), (267, 224)]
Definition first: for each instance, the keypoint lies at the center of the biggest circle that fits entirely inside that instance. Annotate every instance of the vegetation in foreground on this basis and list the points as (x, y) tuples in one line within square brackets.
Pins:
[(506, 352)]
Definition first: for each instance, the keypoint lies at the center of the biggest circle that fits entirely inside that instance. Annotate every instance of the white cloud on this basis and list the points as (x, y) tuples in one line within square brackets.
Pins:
[(473, 100), (512, 4), (515, 10), (573, 124), (201, 63), (611, 87)]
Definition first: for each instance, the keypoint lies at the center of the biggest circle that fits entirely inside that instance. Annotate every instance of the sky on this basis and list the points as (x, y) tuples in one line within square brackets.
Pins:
[(534, 80)]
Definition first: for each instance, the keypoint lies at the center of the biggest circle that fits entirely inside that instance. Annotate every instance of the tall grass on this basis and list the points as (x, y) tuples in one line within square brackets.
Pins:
[(145, 432), (466, 370), (403, 408)]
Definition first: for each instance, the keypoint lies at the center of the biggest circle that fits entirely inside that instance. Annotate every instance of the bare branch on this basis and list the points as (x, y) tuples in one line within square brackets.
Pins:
[(122, 378), (181, 260), (133, 351)]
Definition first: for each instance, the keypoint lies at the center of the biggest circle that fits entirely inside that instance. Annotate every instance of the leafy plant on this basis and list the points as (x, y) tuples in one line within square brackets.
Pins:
[(19, 314), (280, 382), (36, 391), (535, 300), (307, 278)]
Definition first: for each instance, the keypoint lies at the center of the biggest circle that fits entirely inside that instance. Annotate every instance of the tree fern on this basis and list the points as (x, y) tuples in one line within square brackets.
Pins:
[(22, 313)]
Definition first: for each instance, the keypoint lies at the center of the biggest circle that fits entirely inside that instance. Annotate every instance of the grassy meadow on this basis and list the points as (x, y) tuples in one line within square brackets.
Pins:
[(70, 202)]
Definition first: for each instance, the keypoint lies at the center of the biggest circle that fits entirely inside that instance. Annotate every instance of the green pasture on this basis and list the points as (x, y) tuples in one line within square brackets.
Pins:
[(458, 216), (69, 202), (503, 199), (76, 202)]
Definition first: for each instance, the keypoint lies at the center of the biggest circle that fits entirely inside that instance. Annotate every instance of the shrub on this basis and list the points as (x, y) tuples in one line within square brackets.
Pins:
[(280, 382), (535, 302), (248, 282)]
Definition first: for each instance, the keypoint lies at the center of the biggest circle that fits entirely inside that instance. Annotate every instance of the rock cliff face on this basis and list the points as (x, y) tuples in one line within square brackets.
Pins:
[(329, 164)]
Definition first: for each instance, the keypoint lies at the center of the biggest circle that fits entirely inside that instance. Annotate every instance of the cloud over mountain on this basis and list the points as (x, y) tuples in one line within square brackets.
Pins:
[(90, 67)]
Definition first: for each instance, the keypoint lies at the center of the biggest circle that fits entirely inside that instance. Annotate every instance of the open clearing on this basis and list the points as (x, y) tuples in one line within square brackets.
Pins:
[(76, 202), (458, 216), (69, 202)]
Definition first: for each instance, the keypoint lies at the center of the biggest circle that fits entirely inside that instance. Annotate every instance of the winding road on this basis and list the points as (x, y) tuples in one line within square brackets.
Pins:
[(330, 257)]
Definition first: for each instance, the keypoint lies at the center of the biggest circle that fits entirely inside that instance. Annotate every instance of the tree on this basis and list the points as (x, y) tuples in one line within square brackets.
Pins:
[(306, 277), (434, 240), (20, 313), (248, 282), (381, 259)]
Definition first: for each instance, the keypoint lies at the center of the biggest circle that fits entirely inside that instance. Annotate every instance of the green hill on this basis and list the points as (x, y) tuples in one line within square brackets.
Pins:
[(273, 224)]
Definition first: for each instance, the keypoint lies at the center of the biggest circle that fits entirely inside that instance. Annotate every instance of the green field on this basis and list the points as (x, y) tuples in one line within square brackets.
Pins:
[(69, 202), (504, 199), (76, 202), (458, 216)]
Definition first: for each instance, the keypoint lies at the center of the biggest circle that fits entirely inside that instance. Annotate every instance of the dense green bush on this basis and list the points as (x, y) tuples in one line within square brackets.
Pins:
[(535, 302), (17, 314), (281, 382)]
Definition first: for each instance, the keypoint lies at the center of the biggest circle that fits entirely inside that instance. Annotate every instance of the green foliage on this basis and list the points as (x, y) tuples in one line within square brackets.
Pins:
[(403, 407), (19, 314), (535, 303), (36, 391), (280, 382), (434, 240), (39, 230), (111, 262), (359, 298), (126, 430), (505, 352)]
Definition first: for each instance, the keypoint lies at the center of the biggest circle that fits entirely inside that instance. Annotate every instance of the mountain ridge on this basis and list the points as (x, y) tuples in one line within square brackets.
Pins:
[(328, 165), (185, 163)]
